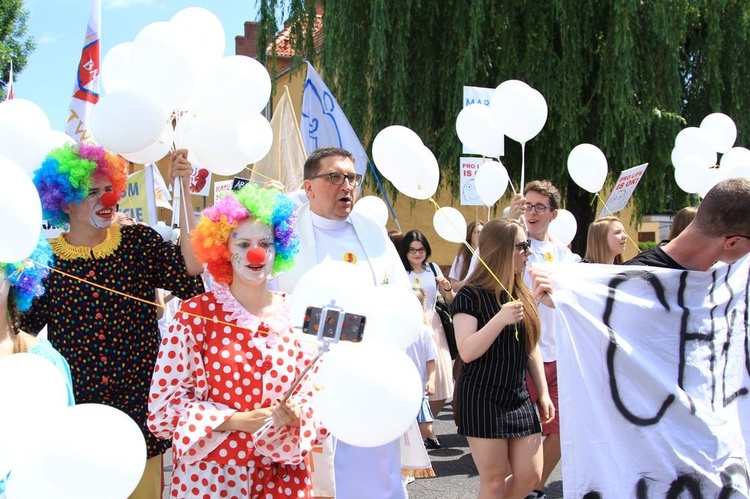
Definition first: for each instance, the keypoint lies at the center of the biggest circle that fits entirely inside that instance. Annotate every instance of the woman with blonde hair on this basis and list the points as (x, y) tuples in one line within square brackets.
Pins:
[(497, 332), (606, 241)]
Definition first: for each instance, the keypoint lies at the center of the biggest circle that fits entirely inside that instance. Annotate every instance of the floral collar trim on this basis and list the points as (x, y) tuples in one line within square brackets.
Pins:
[(66, 251), (280, 323)]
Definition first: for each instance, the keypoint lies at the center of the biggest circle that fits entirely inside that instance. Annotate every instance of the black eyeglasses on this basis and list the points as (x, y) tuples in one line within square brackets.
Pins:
[(736, 235), (337, 178), (411, 251), (539, 208), (524, 246)]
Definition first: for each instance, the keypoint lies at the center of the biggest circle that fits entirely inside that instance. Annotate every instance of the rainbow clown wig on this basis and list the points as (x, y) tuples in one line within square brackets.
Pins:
[(66, 175), (267, 205), (26, 277)]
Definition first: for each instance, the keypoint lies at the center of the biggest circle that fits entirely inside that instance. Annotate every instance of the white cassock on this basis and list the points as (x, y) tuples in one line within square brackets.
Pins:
[(360, 472)]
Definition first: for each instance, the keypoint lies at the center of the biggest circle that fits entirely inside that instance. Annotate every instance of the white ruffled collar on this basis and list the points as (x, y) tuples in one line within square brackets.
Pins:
[(280, 323)]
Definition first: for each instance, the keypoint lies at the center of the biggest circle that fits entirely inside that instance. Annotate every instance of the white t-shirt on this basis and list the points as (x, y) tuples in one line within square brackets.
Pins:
[(549, 252), (458, 262), (426, 281), (422, 351)]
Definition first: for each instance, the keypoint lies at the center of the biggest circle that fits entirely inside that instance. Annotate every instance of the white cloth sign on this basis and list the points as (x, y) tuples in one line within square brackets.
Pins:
[(653, 373)]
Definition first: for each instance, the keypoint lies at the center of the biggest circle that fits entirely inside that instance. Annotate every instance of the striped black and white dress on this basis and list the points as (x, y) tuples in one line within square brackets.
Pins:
[(492, 394)]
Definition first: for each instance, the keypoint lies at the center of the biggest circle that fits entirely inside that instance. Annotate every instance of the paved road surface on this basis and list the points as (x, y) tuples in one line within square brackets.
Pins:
[(456, 474)]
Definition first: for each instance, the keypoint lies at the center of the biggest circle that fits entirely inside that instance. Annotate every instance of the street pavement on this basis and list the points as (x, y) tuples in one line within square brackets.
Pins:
[(457, 476)]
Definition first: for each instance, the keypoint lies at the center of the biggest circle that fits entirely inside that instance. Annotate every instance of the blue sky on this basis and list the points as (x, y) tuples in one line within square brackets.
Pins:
[(59, 26)]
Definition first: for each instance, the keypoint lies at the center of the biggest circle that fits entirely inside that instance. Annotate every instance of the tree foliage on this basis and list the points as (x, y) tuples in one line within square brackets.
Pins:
[(625, 75), (15, 42)]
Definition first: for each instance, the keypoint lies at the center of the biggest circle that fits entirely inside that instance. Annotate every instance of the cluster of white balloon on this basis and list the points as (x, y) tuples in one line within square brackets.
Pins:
[(695, 151), (372, 384), (25, 139), (516, 110), (85, 451), (176, 70)]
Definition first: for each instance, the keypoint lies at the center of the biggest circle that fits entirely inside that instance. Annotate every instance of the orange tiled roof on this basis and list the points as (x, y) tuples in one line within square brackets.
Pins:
[(283, 43)]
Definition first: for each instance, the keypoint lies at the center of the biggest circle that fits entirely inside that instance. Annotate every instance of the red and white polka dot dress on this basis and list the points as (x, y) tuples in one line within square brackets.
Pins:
[(205, 372)]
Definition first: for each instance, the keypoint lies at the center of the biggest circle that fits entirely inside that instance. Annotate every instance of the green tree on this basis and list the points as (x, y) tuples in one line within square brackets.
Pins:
[(625, 75), (15, 42)]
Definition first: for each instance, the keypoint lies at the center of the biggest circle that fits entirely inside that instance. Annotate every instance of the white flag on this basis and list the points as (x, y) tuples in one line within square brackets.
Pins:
[(324, 124), (86, 88), (285, 159), (653, 374)]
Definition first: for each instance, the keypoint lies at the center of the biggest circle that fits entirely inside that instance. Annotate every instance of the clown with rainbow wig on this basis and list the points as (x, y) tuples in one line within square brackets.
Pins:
[(98, 305), (230, 357)]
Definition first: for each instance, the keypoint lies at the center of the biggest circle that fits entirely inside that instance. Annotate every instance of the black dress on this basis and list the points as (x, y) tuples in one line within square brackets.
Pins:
[(494, 401)]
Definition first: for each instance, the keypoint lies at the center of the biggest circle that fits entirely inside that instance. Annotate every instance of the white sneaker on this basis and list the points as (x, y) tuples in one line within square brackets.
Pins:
[(406, 480), (536, 494)]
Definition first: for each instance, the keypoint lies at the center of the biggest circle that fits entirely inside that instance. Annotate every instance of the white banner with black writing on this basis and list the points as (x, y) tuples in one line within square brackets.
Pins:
[(654, 370)]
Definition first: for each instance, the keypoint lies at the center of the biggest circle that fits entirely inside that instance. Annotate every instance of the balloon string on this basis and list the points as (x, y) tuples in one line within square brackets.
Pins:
[(252, 171), (125, 295), (609, 212), (474, 253)]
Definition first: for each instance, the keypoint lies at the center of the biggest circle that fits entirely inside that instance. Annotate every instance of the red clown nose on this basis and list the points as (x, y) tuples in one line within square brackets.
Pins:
[(256, 256), (109, 199)]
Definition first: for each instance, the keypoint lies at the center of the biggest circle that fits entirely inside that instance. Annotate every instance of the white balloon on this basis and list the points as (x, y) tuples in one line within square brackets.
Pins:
[(117, 68), (693, 142), (491, 180), (372, 207), (690, 175), (721, 130), (126, 122), (207, 41), (710, 177), (519, 110), (734, 158), (21, 225), (156, 151), (77, 453), (401, 325), (43, 387), (336, 283), (35, 401), (450, 224), (478, 131), (420, 174), (564, 227), (587, 166), (355, 386), (24, 133), (164, 230), (235, 88), (59, 139), (162, 65), (255, 138), (739, 171), (388, 148), (218, 146)]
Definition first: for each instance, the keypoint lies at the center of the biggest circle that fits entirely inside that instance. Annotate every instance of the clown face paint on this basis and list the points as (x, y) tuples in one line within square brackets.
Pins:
[(247, 235), (93, 210)]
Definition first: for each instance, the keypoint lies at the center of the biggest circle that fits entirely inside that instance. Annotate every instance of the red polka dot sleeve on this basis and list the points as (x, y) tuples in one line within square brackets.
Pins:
[(179, 405), (288, 444)]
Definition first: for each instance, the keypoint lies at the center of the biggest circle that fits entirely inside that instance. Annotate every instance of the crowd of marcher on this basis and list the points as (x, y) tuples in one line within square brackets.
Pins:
[(213, 384)]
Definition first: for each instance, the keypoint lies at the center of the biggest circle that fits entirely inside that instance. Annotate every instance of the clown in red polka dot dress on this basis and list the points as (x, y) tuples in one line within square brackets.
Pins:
[(227, 362), (207, 371)]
